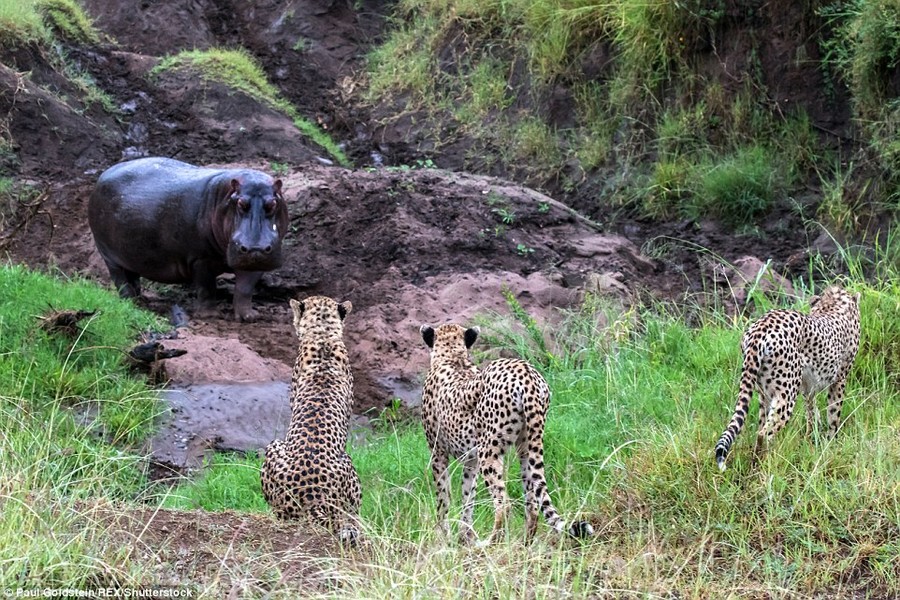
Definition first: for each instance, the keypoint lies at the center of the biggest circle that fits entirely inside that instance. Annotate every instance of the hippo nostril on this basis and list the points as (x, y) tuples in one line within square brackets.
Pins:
[(268, 249), (244, 249)]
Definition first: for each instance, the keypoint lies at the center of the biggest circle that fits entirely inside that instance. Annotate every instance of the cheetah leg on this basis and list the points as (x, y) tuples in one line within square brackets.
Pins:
[(531, 502), (490, 462), (781, 406), (350, 529), (273, 464), (531, 455), (439, 464), (835, 403), (470, 476), (812, 414), (759, 448)]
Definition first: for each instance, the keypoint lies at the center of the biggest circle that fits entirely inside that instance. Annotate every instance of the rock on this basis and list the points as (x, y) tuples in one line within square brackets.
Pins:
[(607, 284), (749, 273)]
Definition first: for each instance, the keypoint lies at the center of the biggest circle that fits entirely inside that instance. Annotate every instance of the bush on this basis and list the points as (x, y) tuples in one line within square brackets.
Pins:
[(739, 188)]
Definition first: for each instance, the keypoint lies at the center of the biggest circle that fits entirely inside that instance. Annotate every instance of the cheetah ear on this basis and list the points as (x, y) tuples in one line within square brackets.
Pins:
[(297, 307), (344, 309), (814, 300), (471, 335), (427, 335), (857, 296)]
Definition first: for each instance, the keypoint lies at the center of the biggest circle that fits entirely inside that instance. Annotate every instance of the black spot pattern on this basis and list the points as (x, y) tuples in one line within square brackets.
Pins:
[(477, 417), (787, 353), (309, 474)]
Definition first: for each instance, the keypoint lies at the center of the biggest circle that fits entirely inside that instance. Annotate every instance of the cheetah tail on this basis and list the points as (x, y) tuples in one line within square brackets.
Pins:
[(745, 393)]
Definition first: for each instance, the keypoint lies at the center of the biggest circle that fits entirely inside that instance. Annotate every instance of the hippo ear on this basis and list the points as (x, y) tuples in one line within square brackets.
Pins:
[(344, 309), (471, 335), (427, 335), (235, 186), (276, 187)]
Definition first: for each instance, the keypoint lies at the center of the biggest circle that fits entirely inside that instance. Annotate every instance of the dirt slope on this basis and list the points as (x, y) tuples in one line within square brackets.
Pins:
[(406, 247)]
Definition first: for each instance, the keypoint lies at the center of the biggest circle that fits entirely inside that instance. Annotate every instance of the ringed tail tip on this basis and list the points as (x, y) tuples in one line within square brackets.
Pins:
[(720, 457), (581, 530)]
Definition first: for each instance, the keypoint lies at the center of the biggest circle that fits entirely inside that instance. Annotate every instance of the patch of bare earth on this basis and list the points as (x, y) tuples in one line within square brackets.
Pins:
[(222, 554)]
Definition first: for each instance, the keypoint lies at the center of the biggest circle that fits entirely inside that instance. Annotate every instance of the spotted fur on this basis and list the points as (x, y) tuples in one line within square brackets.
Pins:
[(786, 353), (309, 473), (476, 416)]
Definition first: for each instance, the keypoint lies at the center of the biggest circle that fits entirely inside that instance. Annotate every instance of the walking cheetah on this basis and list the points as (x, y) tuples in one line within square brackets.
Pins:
[(476, 417), (309, 473), (786, 353)]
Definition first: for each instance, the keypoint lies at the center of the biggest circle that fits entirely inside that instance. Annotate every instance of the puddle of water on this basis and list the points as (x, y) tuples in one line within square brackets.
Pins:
[(241, 417), (401, 386), (225, 417)]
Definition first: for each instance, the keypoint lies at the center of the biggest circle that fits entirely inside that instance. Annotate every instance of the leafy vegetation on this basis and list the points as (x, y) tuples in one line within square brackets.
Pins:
[(239, 70), (639, 399), (44, 23), (675, 137)]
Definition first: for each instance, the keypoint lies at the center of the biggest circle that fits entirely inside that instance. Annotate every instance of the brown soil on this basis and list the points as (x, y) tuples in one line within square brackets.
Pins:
[(222, 554)]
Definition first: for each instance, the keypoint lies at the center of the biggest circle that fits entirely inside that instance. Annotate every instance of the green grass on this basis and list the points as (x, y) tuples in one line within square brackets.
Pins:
[(240, 71), (39, 21), (489, 72), (228, 481), (71, 423), (20, 23), (68, 20), (638, 404)]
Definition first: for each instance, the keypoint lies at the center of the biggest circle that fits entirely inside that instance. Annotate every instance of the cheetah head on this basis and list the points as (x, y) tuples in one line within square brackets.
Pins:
[(835, 299), (449, 340), (320, 316)]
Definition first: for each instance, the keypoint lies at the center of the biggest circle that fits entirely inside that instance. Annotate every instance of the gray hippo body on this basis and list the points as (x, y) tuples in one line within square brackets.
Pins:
[(172, 222)]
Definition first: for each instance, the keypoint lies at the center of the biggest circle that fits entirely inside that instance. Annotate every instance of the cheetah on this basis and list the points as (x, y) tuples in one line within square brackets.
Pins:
[(309, 473), (787, 352), (476, 416)]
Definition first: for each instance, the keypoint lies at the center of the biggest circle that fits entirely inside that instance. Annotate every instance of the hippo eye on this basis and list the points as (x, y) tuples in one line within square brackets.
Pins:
[(243, 204), (269, 205)]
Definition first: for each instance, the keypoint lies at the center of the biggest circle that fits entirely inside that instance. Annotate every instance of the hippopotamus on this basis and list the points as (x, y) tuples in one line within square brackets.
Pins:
[(172, 222)]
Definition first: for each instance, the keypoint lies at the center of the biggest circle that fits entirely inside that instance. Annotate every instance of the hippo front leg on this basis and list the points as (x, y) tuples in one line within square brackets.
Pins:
[(244, 285), (204, 281)]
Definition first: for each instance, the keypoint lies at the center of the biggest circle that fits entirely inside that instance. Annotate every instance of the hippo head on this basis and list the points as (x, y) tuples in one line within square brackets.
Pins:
[(258, 218)]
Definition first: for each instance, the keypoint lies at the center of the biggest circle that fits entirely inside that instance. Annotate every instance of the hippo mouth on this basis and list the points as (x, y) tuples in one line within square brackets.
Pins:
[(253, 259)]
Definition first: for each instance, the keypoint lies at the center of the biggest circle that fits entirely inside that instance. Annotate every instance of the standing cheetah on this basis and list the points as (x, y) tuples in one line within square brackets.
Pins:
[(309, 473), (476, 417), (786, 353)]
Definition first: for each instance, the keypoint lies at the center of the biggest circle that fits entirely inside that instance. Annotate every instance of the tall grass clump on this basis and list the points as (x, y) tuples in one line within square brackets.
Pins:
[(72, 421), (68, 20), (20, 23), (740, 188), (41, 21), (863, 50), (239, 70)]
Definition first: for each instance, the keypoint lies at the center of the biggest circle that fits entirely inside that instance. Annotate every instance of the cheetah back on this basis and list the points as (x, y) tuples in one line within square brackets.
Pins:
[(309, 473)]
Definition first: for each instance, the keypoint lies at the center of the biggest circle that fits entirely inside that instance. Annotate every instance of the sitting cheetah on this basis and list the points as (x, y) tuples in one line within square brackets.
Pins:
[(475, 417), (786, 353), (309, 473)]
